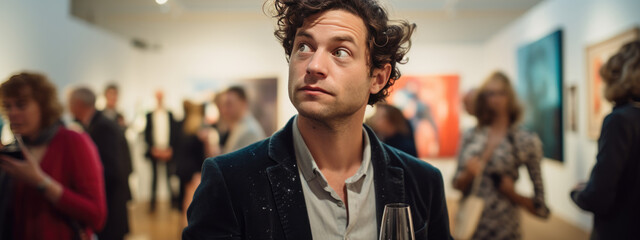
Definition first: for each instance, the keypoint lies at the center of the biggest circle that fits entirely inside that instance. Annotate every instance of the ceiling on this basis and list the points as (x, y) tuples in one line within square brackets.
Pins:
[(439, 21)]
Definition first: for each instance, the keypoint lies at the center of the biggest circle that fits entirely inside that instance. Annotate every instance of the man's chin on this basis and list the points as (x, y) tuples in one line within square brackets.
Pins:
[(313, 110), (315, 114)]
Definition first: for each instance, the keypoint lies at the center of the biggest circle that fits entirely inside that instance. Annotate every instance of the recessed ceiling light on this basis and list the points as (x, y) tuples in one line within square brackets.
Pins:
[(161, 2)]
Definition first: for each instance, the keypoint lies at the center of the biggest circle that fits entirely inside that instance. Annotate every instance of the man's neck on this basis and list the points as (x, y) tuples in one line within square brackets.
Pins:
[(335, 146), (87, 116), (236, 121)]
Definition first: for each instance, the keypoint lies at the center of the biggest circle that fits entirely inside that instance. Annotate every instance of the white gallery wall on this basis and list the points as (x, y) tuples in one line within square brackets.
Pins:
[(583, 23), (224, 53), (41, 36)]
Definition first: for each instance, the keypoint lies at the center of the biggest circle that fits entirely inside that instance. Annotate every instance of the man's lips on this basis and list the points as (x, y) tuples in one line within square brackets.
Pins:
[(310, 89)]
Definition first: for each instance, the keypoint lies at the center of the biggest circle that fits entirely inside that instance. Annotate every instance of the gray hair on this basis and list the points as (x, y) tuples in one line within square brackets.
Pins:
[(84, 95)]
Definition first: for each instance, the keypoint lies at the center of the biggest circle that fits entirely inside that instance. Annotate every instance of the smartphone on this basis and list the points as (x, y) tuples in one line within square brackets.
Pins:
[(12, 150)]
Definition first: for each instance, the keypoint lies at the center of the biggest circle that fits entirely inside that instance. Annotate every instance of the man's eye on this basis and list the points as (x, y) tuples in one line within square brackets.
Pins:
[(304, 48), (341, 53)]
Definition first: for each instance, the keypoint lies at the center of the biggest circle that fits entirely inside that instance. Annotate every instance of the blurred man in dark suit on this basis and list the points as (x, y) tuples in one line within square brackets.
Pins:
[(161, 136), (111, 143)]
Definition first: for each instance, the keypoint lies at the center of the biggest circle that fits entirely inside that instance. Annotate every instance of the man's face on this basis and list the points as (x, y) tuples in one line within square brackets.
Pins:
[(328, 69), (74, 107), (111, 96), (231, 107)]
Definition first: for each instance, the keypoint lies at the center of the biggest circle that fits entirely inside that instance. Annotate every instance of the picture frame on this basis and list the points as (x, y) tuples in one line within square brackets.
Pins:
[(572, 108), (597, 55), (540, 86)]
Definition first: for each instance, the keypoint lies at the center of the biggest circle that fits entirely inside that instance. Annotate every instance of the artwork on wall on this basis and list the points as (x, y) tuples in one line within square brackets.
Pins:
[(431, 104), (263, 100), (597, 55), (572, 108), (539, 86), (262, 94)]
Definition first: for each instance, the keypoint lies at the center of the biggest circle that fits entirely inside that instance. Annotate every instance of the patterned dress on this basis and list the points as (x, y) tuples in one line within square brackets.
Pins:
[(500, 217)]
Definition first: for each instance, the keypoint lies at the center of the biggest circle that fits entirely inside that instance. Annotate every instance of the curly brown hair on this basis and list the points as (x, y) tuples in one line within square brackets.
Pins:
[(388, 41), (483, 112), (37, 87), (622, 74)]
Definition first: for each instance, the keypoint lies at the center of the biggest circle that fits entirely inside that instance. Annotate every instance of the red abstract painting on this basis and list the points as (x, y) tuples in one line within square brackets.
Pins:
[(431, 103)]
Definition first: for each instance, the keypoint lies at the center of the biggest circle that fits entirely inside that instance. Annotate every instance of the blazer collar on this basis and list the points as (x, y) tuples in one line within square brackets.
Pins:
[(388, 179), (287, 189), (286, 186)]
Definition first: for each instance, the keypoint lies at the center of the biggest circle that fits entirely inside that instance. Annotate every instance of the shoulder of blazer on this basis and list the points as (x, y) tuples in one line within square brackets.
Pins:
[(244, 161)]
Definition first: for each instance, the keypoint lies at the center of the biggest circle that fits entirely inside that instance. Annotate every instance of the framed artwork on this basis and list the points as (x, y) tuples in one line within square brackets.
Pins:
[(263, 101), (572, 108), (539, 85), (431, 104), (597, 55)]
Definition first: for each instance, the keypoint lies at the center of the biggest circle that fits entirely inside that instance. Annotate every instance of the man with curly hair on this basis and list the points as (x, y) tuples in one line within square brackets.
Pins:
[(324, 175)]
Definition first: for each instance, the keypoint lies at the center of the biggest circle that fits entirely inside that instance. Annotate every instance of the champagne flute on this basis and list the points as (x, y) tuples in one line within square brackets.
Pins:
[(396, 222)]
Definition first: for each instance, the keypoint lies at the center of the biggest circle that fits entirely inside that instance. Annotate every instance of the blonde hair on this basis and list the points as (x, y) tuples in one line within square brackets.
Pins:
[(621, 73), (193, 117)]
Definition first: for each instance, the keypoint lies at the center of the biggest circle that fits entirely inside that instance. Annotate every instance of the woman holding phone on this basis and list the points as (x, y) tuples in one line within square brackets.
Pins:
[(494, 151), (58, 187)]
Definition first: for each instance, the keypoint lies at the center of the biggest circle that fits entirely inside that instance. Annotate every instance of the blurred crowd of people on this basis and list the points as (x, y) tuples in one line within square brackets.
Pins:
[(66, 182), (71, 180)]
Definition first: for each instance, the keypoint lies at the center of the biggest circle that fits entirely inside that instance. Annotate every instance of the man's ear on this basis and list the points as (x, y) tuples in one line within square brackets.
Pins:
[(379, 78)]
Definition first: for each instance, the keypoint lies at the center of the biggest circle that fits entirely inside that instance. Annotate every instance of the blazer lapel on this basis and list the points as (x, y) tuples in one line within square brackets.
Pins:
[(388, 180), (286, 186)]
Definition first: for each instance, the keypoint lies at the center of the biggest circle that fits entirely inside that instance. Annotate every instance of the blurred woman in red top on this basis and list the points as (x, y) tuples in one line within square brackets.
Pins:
[(58, 189)]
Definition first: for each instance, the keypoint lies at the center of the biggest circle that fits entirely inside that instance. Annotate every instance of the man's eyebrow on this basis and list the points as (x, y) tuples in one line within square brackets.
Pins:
[(342, 38), (304, 34)]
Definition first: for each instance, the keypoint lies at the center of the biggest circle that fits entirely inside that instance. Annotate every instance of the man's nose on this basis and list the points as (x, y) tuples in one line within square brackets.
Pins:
[(317, 66)]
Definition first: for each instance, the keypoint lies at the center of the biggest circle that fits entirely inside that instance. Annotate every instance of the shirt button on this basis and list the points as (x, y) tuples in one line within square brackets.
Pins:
[(340, 204)]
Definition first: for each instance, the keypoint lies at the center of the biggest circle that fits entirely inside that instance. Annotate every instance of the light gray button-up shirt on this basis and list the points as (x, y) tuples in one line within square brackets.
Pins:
[(327, 214)]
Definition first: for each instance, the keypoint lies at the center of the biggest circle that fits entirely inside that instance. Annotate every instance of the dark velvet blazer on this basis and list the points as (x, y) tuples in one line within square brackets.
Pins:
[(613, 191), (256, 192)]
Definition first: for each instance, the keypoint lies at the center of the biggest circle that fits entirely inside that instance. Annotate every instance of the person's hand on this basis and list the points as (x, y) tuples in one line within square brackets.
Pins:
[(203, 135), (507, 186), (169, 153), (474, 166), (163, 155), (27, 170), (155, 152), (579, 187)]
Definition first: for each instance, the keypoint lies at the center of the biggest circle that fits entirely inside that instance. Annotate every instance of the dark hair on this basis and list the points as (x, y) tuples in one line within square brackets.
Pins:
[(37, 87), (388, 42), (395, 117), (238, 90), (621, 73), (111, 86), (484, 114)]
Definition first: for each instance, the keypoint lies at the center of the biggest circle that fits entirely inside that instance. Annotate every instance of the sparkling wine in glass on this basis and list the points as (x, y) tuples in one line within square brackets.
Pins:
[(396, 222)]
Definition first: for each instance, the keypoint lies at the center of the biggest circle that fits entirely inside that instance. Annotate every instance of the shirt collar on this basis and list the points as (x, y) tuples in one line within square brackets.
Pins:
[(308, 165)]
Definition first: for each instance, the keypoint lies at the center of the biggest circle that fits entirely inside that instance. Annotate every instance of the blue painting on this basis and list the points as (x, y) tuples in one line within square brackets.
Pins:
[(539, 86)]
